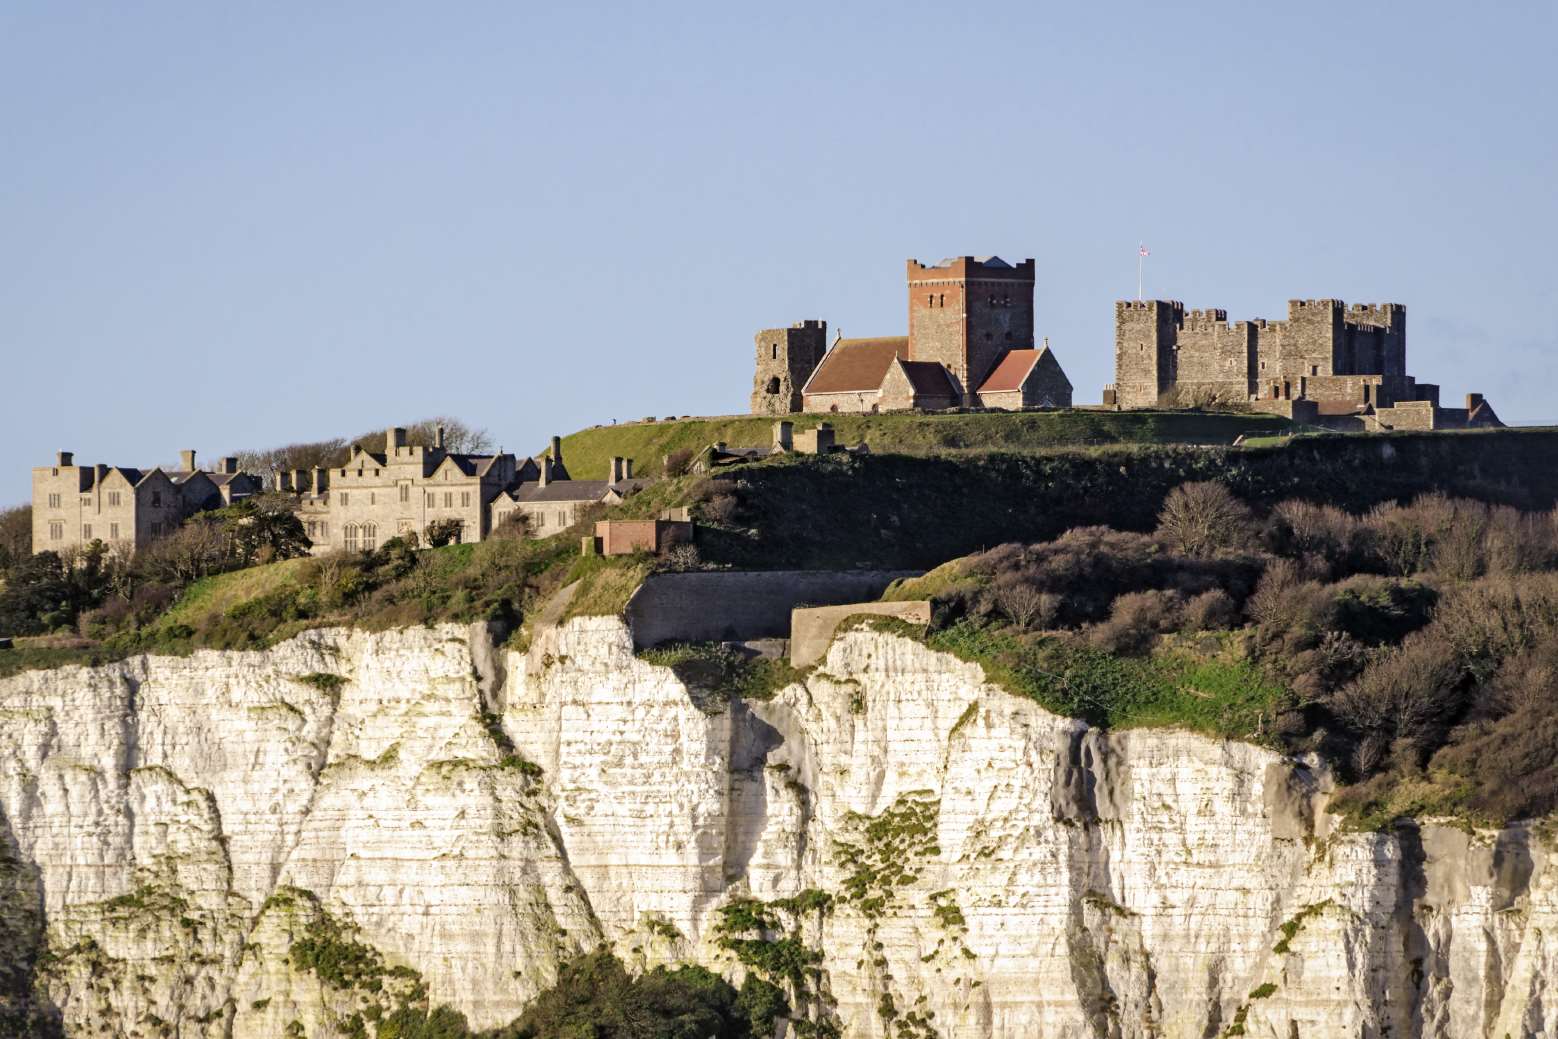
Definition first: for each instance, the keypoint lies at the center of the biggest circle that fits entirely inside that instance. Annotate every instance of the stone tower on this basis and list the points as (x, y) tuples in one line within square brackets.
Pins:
[(967, 312), (786, 357), (1145, 336)]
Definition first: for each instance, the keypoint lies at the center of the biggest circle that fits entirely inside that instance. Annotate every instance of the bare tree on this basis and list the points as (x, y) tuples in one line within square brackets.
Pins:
[(1199, 519), (1025, 605), (15, 536)]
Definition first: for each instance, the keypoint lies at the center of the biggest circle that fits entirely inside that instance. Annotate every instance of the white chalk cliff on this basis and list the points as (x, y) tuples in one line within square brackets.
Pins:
[(175, 832)]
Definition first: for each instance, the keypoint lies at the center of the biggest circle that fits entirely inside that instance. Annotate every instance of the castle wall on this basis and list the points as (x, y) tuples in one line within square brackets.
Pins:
[(1215, 360), (1309, 342), (937, 323), (966, 315)]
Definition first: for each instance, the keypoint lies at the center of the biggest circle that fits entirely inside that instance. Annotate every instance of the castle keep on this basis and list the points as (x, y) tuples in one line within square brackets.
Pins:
[(970, 344), (1328, 363)]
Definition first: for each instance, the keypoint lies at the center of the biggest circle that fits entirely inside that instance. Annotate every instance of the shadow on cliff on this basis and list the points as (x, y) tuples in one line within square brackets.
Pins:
[(24, 1008)]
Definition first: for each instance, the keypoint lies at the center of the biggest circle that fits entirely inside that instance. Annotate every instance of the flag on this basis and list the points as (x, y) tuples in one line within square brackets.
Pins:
[(1144, 251)]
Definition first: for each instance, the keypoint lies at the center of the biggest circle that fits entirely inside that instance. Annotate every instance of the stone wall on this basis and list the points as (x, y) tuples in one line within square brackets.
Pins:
[(1144, 336), (1215, 359), (729, 606), (812, 628)]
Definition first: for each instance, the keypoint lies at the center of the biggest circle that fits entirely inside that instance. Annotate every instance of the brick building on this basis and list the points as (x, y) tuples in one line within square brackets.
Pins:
[(968, 316), (1327, 362), (74, 505)]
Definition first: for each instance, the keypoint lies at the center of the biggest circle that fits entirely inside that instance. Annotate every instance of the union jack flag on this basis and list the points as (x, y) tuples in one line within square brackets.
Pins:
[(1144, 251)]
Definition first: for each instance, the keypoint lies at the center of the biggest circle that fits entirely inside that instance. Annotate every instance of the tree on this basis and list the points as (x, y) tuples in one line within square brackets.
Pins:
[(1201, 519), (262, 529), (443, 532), (15, 536)]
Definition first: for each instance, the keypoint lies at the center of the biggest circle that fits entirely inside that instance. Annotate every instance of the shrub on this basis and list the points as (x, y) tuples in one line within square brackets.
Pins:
[(1204, 518), (677, 463), (1025, 604), (1212, 610), (1135, 622), (515, 527), (443, 532)]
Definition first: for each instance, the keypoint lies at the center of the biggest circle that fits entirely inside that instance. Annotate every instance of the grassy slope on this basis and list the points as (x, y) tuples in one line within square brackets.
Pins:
[(589, 451)]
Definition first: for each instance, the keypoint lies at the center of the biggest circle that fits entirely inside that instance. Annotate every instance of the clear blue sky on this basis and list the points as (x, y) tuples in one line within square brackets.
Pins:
[(228, 226)]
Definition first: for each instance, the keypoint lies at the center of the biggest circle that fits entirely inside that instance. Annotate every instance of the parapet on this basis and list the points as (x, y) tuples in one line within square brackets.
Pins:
[(1208, 316), (956, 267), (1295, 305), (1173, 305)]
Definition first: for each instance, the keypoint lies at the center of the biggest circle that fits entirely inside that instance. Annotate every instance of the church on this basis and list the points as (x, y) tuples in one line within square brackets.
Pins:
[(970, 345)]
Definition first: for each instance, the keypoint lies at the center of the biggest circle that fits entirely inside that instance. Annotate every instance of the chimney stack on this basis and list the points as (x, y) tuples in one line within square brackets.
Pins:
[(300, 481), (230, 465), (321, 479), (627, 464), (1472, 400), (98, 472), (438, 438), (66, 458), (615, 476), (187, 460), (784, 435), (394, 439), (546, 470), (284, 482), (557, 449)]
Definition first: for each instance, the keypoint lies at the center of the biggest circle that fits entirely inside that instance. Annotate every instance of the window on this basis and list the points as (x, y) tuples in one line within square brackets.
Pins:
[(930, 299), (448, 498), (113, 499), (113, 532), (56, 531), (373, 499), (156, 499), (324, 529), (86, 532), (941, 300), (87, 500), (370, 535), (465, 499), (313, 529), (343, 497), (351, 537), (405, 492), (773, 385), (540, 520), (432, 499), (156, 529), (562, 517), (776, 352), (54, 501), (1314, 369)]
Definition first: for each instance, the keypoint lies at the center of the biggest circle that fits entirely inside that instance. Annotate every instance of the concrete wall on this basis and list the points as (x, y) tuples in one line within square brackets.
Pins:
[(811, 630), (730, 606)]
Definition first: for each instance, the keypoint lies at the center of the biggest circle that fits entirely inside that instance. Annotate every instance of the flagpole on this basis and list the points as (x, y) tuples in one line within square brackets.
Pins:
[(1138, 275)]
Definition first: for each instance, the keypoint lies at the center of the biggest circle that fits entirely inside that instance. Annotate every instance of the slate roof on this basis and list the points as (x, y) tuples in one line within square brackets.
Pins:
[(928, 378), (572, 490), (856, 365)]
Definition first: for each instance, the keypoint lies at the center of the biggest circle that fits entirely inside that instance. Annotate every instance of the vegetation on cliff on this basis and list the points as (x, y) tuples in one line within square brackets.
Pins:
[(1415, 646)]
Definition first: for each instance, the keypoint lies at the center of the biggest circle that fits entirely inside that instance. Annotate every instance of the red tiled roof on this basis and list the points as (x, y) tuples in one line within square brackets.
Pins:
[(928, 377), (1009, 374), (856, 365)]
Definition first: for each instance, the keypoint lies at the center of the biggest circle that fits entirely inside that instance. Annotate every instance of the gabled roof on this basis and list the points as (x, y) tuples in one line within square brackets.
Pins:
[(928, 378), (856, 365), (1484, 414), (1013, 370)]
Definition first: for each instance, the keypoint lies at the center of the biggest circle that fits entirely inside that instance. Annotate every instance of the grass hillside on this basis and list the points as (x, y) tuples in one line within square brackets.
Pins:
[(589, 451)]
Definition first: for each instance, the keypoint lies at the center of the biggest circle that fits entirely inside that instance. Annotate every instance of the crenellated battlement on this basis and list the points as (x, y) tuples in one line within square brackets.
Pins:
[(1173, 305)]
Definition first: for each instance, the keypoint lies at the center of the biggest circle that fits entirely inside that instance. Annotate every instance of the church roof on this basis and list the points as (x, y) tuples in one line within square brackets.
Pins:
[(1014, 369), (856, 365), (928, 377)]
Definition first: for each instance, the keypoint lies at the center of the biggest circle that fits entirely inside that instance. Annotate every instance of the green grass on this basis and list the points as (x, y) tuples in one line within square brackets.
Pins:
[(716, 674), (1229, 699), (588, 452)]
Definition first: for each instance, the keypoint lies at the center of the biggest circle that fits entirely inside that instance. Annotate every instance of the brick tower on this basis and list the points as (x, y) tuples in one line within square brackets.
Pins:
[(967, 312), (786, 357)]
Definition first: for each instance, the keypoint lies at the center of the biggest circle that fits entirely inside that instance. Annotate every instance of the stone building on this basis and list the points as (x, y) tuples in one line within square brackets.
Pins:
[(74, 505), (1327, 362), (404, 489), (968, 317)]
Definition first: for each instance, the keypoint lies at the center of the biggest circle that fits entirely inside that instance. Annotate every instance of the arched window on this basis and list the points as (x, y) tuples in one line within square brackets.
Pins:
[(773, 385), (941, 300), (350, 535), (370, 536)]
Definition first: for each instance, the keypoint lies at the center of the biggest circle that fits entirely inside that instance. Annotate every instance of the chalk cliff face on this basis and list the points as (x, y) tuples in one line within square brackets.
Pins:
[(187, 845)]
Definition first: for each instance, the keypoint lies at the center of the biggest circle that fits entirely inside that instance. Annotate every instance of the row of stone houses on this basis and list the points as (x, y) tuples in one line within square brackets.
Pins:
[(125, 507), (374, 496)]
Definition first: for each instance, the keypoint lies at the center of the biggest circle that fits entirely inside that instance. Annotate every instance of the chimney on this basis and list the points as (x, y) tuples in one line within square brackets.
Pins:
[(784, 435), (187, 460), (394, 439), (321, 479), (546, 470), (230, 465), (1472, 400), (98, 472), (627, 468), (300, 481), (284, 484), (615, 475), (66, 458), (557, 449), (438, 438)]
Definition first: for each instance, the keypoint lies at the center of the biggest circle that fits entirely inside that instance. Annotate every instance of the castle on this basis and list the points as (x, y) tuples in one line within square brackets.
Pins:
[(970, 344), (1327, 364)]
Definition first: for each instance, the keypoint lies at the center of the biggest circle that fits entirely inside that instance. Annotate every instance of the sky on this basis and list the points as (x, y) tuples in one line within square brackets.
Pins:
[(232, 226)]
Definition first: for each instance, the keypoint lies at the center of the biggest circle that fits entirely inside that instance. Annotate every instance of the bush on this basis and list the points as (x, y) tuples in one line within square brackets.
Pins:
[(1212, 610), (677, 463), (1204, 519), (515, 527), (1135, 622), (445, 532)]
